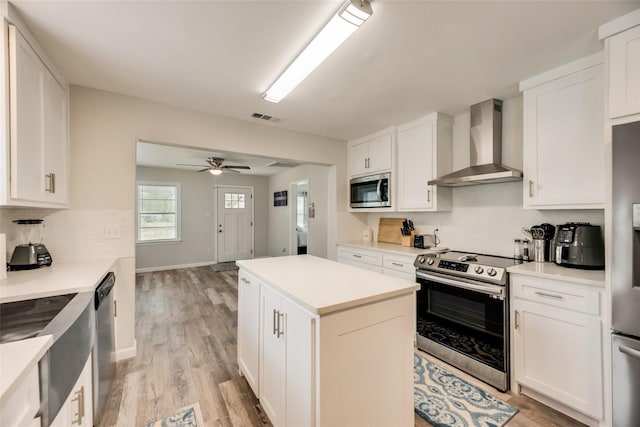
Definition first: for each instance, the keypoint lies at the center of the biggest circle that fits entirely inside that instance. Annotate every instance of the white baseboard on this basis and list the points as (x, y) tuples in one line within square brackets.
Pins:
[(126, 353), (173, 267)]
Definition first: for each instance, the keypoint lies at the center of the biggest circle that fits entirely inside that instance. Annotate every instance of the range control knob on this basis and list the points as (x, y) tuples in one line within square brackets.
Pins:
[(478, 269), (491, 272), (430, 261), (421, 259)]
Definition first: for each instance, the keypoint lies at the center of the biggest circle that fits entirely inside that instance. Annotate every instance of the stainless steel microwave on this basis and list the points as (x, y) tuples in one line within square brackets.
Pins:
[(372, 191)]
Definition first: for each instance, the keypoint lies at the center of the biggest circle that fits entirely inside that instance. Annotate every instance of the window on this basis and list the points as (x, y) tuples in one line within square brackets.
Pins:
[(158, 212), (233, 201)]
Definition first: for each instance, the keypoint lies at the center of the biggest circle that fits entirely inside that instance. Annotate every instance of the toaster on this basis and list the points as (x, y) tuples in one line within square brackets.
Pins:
[(579, 245)]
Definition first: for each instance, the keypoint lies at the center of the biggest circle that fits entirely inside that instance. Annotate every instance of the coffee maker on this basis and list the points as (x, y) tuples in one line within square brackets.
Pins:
[(30, 253)]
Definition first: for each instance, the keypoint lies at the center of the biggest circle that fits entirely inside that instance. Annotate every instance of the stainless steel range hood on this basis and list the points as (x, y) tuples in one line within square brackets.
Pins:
[(486, 150)]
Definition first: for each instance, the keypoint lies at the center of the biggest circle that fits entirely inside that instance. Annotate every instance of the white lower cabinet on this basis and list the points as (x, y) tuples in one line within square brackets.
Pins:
[(248, 328), (21, 407), (363, 258), (325, 369), (557, 342), (400, 266), (393, 264), (77, 410), (286, 383)]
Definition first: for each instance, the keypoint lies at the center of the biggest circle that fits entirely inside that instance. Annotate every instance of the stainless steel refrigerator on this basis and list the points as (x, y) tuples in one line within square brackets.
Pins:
[(625, 275)]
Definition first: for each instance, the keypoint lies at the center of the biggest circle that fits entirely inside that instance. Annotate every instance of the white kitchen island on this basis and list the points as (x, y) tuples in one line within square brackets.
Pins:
[(326, 344)]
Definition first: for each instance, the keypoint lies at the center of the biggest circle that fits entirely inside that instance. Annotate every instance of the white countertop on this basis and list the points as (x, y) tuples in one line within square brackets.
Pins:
[(58, 279), (16, 357), (323, 286), (391, 248), (550, 270)]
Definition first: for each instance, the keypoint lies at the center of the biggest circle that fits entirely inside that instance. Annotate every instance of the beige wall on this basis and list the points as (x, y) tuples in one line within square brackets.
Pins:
[(280, 227), (198, 231), (104, 130)]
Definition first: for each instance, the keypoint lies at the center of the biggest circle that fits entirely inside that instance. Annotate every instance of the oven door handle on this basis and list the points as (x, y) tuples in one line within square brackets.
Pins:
[(487, 289)]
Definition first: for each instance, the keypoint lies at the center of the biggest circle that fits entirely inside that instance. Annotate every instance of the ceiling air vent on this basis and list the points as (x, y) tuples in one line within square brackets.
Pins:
[(265, 117)]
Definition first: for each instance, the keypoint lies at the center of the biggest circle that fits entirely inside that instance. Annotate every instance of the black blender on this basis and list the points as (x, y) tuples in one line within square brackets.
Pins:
[(30, 253)]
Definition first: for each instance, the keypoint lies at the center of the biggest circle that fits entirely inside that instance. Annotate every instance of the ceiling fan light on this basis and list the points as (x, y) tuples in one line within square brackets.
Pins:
[(215, 171)]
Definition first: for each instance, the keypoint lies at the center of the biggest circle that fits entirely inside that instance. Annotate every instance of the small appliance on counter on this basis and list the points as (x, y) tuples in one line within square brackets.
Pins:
[(580, 245), (30, 253)]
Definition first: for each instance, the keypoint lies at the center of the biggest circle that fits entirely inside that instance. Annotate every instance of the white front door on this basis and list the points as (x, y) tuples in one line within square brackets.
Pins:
[(235, 223)]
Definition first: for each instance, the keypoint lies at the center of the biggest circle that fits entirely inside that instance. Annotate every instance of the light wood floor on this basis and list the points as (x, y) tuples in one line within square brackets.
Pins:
[(186, 353)]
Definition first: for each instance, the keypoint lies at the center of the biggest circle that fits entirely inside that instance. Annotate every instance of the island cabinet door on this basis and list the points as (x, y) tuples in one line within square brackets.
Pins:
[(249, 328), (286, 385)]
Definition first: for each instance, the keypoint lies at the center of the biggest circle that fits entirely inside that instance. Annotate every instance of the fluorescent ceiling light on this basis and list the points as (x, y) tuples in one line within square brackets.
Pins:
[(344, 23)]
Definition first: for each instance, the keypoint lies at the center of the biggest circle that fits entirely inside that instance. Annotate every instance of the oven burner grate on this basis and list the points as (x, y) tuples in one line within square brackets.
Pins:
[(487, 350)]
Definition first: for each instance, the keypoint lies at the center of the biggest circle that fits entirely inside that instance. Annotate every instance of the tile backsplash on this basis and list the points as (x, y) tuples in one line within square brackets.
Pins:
[(75, 235)]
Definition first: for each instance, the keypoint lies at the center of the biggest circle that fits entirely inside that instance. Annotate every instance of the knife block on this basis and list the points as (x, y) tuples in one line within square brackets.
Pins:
[(408, 240)]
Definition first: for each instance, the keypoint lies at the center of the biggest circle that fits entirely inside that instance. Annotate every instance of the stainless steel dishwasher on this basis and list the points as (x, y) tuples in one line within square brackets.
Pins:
[(104, 361)]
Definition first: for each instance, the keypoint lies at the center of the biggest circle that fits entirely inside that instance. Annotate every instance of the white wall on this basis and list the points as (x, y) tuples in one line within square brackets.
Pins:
[(486, 218), (198, 231), (280, 216)]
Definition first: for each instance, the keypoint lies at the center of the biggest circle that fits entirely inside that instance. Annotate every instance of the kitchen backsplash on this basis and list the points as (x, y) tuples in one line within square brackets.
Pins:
[(486, 218), (76, 235)]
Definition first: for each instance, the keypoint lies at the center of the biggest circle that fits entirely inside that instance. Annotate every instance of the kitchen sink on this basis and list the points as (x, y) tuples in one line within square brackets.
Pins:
[(25, 319), (70, 319)]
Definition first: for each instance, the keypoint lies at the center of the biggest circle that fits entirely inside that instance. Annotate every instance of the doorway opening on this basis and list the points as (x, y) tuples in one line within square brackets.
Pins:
[(299, 217)]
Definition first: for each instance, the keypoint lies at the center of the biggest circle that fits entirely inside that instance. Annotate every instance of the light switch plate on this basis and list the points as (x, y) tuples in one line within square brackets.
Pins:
[(111, 231)]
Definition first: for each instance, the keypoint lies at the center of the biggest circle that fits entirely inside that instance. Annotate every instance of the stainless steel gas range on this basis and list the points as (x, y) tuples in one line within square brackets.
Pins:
[(463, 312)]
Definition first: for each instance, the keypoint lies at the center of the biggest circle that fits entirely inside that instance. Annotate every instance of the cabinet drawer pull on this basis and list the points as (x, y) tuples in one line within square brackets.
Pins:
[(52, 182), (530, 188), (629, 351), (80, 399), (397, 264), (357, 256), (244, 280), (275, 328), (543, 294), (280, 331)]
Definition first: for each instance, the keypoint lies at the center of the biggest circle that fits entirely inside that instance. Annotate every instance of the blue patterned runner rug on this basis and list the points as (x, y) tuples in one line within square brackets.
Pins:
[(448, 401), (189, 416)]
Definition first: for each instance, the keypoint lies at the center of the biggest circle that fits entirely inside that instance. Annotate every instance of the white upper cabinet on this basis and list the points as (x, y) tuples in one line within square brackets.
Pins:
[(424, 153), (564, 137), (36, 146), (371, 154), (622, 46)]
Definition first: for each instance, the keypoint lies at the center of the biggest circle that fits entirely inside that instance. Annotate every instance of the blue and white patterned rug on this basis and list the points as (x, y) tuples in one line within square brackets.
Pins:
[(448, 401), (189, 416)]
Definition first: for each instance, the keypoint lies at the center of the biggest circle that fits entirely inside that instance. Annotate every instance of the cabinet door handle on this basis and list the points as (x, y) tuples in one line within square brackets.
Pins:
[(280, 331), (275, 328), (428, 194), (244, 280), (52, 182), (544, 294), (629, 351), (397, 264), (80, 399), (517, 319), (530, 188)]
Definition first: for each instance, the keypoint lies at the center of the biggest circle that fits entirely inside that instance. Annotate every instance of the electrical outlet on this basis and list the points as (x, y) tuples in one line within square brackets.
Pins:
[(208, 251), (111, 232)]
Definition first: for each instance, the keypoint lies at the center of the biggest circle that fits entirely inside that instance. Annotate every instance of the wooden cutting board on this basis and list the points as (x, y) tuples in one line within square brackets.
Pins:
[(389, 230)]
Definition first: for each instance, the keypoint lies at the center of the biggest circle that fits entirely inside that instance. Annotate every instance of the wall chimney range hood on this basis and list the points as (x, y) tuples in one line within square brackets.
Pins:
[(486, 150)]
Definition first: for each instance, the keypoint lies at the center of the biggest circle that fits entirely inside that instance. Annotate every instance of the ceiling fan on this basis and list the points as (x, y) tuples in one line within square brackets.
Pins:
[(216, 167)]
